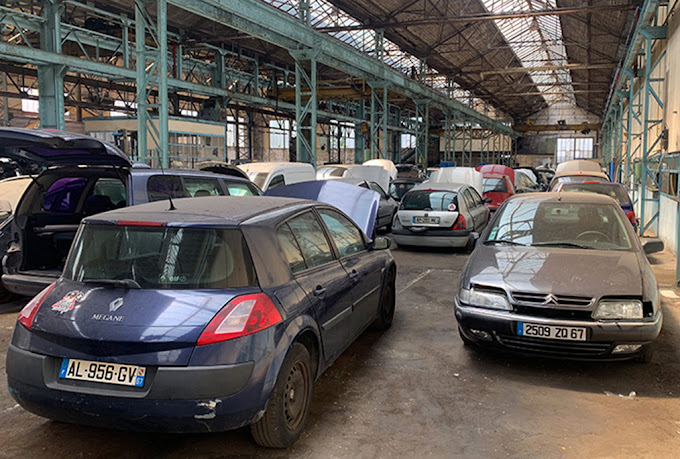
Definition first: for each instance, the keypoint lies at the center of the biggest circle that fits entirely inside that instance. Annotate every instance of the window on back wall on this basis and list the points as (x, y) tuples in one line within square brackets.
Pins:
[(279, 133), (574, 148)]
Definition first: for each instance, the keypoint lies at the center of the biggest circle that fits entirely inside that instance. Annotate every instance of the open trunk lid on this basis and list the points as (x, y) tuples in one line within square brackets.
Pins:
[(58, 148)]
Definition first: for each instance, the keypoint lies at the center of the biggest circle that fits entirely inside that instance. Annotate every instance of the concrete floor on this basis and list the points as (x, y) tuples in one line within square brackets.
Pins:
[(416, 391)]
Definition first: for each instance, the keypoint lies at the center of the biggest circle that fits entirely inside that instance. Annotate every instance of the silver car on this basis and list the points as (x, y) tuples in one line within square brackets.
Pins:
[(561, 275), (439, 215)]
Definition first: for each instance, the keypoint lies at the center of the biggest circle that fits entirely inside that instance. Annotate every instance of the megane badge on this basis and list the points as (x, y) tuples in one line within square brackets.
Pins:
[(115, 304)]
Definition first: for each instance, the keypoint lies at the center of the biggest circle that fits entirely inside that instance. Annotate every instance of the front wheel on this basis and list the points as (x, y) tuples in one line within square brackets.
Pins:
[(286, 416)]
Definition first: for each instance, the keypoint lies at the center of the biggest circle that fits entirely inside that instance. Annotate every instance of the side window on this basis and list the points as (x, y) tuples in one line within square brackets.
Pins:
[(345, 235), (375, 187), (112, 188), (469, 202), (239, 189), (311, 239), (291, 250), (202, 186), (160, 187), (475, 197), (63, 195), (276, 181)]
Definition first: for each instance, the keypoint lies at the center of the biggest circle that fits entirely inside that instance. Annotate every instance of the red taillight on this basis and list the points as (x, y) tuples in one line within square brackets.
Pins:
[(631, 217), (29, 311), (243, 315), (460, 223)]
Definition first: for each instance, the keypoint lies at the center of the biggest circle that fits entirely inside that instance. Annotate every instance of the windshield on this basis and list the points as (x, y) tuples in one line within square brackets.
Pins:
[(429, 200), (161, 257), (258, 178), (611, 190), (495, 185), (398, 190), (571, 224)]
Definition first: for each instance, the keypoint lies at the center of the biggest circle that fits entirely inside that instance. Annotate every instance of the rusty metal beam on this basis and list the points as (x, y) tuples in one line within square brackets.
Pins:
[(557, 127), (543, 68), (553, 93), (479, 17)]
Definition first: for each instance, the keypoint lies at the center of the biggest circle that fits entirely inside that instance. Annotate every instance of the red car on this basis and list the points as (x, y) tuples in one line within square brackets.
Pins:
[(498, 188)]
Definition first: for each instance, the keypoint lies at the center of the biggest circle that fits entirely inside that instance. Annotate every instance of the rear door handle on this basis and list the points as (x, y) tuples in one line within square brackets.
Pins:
[(319, 290), (353, 274)]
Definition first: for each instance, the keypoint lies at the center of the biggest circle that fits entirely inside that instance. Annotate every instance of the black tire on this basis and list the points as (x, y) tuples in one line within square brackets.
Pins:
[(646, 353), (387, 304), (286, 416)]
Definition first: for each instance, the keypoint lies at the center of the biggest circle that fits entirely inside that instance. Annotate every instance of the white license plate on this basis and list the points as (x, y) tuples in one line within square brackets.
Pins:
[(110, 373), (551, 332), (427, 220)]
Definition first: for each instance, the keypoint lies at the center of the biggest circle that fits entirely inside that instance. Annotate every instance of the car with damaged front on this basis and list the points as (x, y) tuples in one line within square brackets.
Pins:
[(561, 275), (205, 314)]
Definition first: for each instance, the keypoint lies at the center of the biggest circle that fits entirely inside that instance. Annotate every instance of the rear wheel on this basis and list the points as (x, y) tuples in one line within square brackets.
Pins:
[(286, 416), (387, 303)]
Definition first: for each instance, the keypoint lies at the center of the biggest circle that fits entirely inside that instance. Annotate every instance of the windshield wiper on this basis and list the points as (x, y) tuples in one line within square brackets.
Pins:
[(561, 244), (124, 283), (503, 241)]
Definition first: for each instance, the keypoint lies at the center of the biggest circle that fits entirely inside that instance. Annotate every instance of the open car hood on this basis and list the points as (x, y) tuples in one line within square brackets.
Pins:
[(360, 204), (58, 148)]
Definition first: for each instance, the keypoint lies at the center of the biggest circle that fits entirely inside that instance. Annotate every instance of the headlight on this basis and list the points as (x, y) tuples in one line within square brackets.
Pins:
[(483, 299), (618, 309)]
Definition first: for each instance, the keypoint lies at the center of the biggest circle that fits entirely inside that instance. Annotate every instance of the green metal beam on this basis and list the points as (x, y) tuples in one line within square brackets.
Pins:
[(266, 23)]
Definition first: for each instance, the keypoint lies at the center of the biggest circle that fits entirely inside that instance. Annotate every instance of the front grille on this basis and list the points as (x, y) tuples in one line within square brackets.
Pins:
[(550, 300), (553, 347), (550, 313)]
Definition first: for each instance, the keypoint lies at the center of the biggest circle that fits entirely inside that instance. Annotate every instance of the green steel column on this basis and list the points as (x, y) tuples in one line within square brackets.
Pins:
[(422, 134), (645, 136), (629, 130), (51, 76), (162, 69), (359, 135), (140, 62), (305, 112)]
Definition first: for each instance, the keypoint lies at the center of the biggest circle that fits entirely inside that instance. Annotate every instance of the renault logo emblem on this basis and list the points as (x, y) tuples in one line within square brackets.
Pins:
[(115, 304)]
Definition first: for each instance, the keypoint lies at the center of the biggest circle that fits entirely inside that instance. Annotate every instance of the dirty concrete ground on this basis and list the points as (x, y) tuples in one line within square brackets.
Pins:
[(416, 391)]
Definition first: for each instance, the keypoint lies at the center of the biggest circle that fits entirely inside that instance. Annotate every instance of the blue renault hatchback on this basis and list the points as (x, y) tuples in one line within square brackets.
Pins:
[(208, 314)]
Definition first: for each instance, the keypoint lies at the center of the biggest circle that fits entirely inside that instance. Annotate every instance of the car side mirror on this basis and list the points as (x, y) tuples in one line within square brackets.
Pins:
[(5, 207), (381, 243), (652, 245)]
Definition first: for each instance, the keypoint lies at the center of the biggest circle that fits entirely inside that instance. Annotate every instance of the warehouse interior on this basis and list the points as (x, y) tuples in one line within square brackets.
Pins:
[(432, 83)]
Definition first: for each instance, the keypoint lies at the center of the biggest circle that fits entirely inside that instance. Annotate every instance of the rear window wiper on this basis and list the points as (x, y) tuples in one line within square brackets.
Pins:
[(124, 283), (502, 241), (561, 244)]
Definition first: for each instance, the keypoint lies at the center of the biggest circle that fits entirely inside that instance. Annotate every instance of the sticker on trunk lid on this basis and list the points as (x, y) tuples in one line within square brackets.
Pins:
[(68, 302)]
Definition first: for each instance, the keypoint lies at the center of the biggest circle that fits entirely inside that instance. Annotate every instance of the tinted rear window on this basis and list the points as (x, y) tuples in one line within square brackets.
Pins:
[(160, 187), (162, 258), (613, 191), (63, 195), (495, 185), (429, 200)]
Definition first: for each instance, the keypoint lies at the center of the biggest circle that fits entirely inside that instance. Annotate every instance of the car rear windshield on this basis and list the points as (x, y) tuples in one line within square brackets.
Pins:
[(398, 190), (495, 185), (566, 224), (579, 178), (429, 200), (161, 257), (613, 191)]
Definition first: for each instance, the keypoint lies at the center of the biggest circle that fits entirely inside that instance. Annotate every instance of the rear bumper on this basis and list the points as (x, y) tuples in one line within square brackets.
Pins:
[(174, 399), (27, 285), (432, 238), (602, 337)]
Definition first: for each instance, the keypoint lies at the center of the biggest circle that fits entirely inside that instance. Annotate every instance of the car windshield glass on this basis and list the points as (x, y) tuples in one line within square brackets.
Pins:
[(613, 191), (161, 257), (495, 185), (579, 178), (258, 178), (560, 224), (429, 200), (398, 190)]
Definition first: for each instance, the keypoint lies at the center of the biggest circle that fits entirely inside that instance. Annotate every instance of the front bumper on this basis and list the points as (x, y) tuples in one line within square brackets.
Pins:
[(432, 237), (602, 337), (174, 399)]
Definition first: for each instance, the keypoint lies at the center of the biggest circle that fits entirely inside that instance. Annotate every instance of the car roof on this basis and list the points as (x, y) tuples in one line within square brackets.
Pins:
[(566, 197), (408, 180), (439, 186), (590, 183), (203, 211), (267, 166)]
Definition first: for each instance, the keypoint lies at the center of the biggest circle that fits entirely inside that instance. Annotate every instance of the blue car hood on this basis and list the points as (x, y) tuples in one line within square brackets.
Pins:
[(360, 204)]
